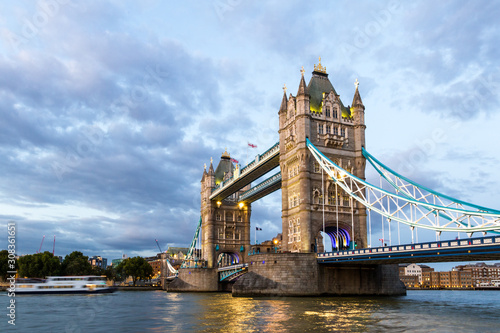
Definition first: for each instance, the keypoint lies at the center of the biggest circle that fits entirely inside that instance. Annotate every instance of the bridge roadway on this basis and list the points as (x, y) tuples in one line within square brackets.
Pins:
[(470, 249), (228, 273), (260, 166)]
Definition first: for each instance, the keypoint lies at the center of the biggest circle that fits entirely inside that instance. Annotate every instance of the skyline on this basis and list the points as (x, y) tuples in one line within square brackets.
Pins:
[(110, 109)]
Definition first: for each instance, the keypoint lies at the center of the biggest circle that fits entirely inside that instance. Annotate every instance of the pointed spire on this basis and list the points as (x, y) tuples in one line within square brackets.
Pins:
[(356, 101), (211, 171), (204, 173), (284, 101), (302, 85)]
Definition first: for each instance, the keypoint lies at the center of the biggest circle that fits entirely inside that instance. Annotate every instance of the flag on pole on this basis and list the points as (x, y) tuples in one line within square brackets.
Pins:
[(235, 161), (258, 229), (252, 145)]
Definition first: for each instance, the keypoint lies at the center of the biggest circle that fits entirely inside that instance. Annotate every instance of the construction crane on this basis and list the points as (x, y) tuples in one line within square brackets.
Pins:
[(158, 245), (41, 245)]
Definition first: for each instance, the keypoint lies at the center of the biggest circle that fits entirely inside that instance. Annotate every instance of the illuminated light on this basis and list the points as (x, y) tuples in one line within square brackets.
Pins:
[(275, 241), (219, 203), (241, 204)]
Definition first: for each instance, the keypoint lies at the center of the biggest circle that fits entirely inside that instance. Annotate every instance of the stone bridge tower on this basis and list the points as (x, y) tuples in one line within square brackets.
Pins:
[(317, 113), (225, 224)]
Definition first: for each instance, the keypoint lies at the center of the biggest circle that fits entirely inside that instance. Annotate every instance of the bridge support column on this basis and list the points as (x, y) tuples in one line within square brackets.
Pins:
[(369, 280)]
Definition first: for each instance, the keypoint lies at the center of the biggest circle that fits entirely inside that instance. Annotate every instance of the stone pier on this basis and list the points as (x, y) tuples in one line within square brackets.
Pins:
[(298, 274), (195, 280)]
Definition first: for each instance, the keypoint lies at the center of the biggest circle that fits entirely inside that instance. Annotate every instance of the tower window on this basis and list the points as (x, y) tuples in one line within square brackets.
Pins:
[(320, 128), (335, 130), (335, 114), (342, 131), (328, 129), (328, 111), (316, 167), (217, 217)]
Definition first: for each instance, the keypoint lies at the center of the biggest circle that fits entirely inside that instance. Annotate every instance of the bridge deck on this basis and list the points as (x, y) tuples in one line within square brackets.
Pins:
[(470, 249), (268, 186), (260, 166)]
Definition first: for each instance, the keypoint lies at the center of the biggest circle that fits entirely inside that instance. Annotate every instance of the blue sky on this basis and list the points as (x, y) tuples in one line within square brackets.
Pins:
[(109, 109)]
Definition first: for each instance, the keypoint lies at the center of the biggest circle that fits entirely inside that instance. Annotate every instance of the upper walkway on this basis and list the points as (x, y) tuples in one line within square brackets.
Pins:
[(262, 164), (470, 249), (266, 187)]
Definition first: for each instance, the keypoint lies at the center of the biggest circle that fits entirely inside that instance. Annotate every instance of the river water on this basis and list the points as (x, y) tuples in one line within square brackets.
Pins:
[(159, 311)]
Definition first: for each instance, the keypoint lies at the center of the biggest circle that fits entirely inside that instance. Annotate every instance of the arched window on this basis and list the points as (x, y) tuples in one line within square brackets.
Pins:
[(316, 197)]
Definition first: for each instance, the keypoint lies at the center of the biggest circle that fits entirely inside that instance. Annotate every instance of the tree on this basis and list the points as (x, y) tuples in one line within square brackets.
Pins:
[(76, 263), (4, 264), (98, 271), (138, 268), (39, 265), (110, 273)]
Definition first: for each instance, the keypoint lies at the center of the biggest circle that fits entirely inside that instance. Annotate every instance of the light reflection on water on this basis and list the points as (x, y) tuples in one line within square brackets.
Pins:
[(420, 311)]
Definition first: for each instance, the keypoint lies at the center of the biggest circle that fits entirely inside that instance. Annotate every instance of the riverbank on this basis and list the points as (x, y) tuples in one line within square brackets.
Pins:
[(444, 288)]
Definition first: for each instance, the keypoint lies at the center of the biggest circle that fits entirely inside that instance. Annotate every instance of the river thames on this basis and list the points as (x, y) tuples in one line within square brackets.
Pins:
[(159, 311)]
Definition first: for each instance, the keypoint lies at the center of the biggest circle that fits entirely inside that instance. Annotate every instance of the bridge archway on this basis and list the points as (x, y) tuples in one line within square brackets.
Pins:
[(227, 259), (333, 234)]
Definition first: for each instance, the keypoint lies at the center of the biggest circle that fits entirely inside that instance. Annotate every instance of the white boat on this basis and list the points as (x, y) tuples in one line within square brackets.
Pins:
[(88, 284)]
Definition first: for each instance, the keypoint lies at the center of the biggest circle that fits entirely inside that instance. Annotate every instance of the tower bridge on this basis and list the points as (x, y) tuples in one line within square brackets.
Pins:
[(322, 158)]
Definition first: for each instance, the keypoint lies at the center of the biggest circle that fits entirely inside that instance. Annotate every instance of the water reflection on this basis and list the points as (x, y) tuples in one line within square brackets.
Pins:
[(420, 311)]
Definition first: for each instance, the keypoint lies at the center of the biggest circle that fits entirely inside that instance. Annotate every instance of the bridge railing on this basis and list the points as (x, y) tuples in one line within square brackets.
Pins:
[(457, 243), (271, 151)]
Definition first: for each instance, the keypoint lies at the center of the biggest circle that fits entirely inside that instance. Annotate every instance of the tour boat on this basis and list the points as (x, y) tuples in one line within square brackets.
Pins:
[(88, 284)]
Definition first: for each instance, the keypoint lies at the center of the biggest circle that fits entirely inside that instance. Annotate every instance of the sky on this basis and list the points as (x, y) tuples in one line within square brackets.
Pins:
[(110, 109)]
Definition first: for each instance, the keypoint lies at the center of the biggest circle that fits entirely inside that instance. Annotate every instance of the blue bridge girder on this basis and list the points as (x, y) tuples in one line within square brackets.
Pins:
[(228, 273), (469, 249), (262, 164)]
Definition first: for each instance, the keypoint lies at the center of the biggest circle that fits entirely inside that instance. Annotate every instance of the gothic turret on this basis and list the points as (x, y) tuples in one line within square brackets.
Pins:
[(302, 98), (284, 101), (211, 168), (358, 109), (204, 173), (302, 85), (356, 101)]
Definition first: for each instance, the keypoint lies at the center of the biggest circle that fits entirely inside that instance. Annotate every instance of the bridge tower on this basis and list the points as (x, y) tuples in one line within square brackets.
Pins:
[(225, 224), (317, 113)]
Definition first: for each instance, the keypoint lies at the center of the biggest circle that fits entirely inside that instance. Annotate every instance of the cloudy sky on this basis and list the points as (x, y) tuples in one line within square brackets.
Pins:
[(109, 109)]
